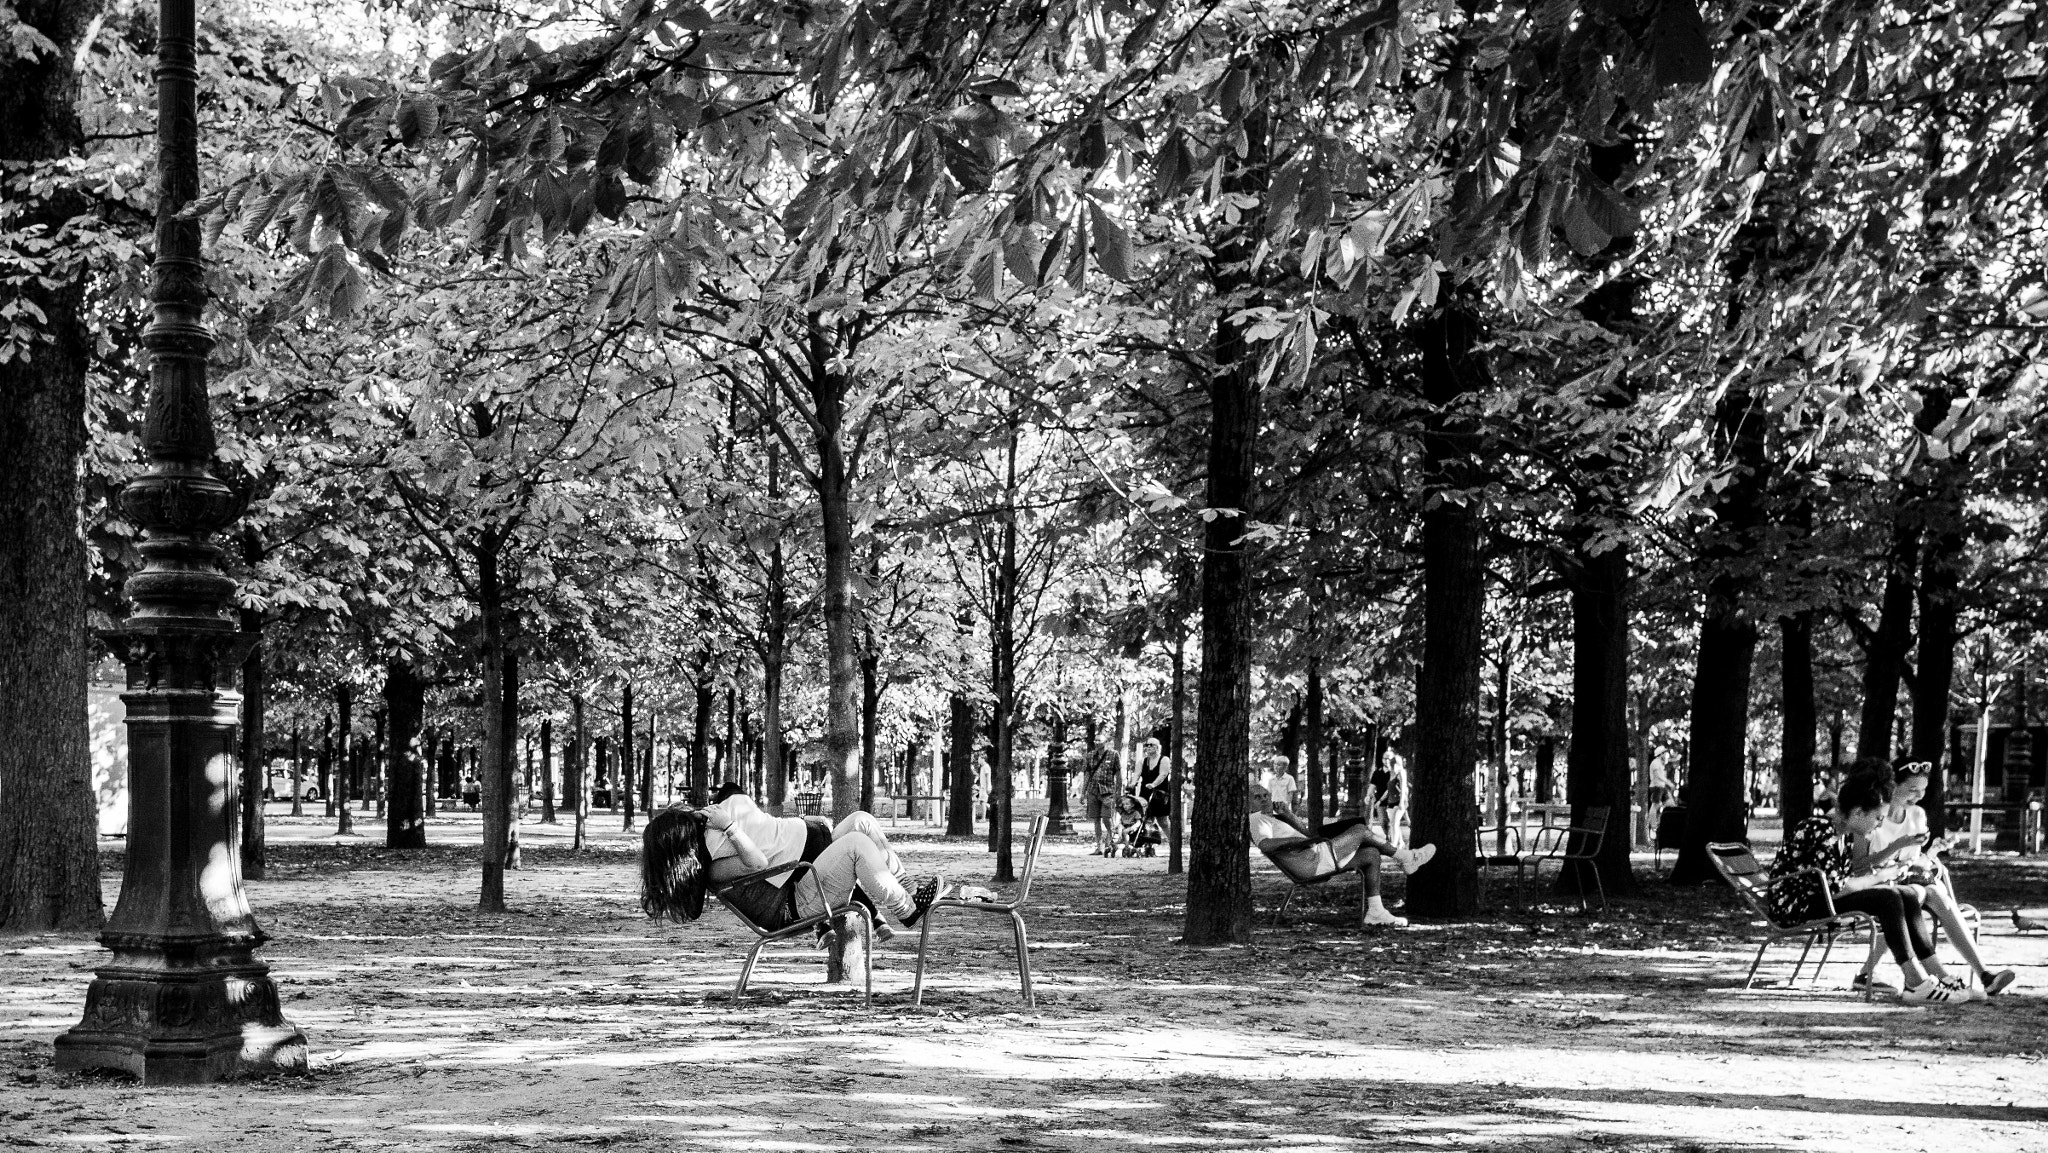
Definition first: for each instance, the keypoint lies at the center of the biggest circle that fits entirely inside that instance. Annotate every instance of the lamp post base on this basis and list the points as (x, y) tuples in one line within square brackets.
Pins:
[(209, 1015)]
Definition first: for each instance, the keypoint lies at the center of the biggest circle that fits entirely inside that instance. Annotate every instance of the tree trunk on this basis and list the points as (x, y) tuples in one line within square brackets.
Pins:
[(344, 765), (1219, 870), (1717, 736), (700, 742), (842, 626), (547, 770), (960, 766), (1886, 660), (647, 748), (298, 773), (1314, 712), (430, 782), (1441, 811), (628, 766), (49, 855), (1003, 682), (326, 765), (1176, 817), (255, 775), (405, 700), (494, 773), (870, 716), (373, 766), (1934, 674), (774, 780), (1597, 763), (576, 771), (1798, 741)]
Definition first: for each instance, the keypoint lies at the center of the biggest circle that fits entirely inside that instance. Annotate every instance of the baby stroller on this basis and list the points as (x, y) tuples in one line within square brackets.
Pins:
[(1138, 835)]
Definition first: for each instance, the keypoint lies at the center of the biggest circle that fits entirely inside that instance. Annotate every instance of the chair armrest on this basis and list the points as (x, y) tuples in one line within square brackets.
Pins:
[(760, 875), (1281, 845), (1827, 891), (1494, 831)]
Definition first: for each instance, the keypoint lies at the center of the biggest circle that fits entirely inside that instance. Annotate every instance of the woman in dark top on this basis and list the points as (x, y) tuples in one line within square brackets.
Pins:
[(1154, 776), (1814, 865)]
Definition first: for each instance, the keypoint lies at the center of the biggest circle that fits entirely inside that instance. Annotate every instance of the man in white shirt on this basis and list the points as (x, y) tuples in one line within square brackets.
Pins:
[(1349, 844), (1281, 784)]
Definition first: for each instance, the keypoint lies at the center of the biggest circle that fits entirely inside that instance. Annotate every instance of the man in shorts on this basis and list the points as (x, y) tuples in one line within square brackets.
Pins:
[(1347, 844)]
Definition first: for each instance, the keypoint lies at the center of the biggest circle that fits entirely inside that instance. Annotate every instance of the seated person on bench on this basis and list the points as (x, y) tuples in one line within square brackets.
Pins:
[(1342, 845)]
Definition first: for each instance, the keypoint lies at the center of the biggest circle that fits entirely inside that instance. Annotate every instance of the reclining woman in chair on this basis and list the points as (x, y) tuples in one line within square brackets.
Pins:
[(1347, 844), (1899, 852), (685, 851), (1821, 844)]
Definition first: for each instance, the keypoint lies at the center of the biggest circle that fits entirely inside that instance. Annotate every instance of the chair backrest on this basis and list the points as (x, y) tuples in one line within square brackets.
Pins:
[(1738, 866), (1033, 838)]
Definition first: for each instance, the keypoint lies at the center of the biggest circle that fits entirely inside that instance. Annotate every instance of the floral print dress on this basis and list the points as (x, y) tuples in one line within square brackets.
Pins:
[(1814, 844)]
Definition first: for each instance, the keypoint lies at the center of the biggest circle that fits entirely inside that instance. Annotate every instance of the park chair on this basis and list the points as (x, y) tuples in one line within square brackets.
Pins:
[(801, 873), (1575, 848), (1738, 866), (1300, 878), (1500, 847), (1013, 908)]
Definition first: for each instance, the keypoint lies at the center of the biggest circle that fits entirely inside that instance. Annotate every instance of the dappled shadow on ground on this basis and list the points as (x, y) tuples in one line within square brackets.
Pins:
[(576, 1021)]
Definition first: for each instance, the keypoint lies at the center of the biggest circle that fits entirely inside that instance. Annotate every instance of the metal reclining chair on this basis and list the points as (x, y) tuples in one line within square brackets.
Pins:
[(1301, 879), (1738, 866), (1012, 909), (800, 873)]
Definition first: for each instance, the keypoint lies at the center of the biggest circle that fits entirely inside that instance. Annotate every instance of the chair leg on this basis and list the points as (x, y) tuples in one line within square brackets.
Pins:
[(1023, 959), (1286, 901), (1801, 963), (867, 957), (747, 968), (1601, 885), (924, 940), (1826, 952), (1751, 979)]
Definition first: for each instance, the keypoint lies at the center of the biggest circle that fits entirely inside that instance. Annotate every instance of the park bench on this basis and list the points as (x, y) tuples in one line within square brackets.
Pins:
[(1738, 866), (1013, 909), (830, 919)]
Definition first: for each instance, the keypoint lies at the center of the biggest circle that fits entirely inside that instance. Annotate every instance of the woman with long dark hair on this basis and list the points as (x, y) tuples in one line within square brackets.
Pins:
[(685, 851)]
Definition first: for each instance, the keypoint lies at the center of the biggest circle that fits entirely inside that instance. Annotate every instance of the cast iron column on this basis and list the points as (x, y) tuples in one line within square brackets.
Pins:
[(1058, 823), (183, 1000)]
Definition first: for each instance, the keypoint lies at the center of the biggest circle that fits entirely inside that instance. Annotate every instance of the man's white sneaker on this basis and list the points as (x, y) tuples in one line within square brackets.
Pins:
[(1382, 917), (1413, 859)]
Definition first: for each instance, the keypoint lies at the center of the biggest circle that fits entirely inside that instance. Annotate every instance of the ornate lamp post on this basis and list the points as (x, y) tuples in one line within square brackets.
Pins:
[(184, 1000)]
